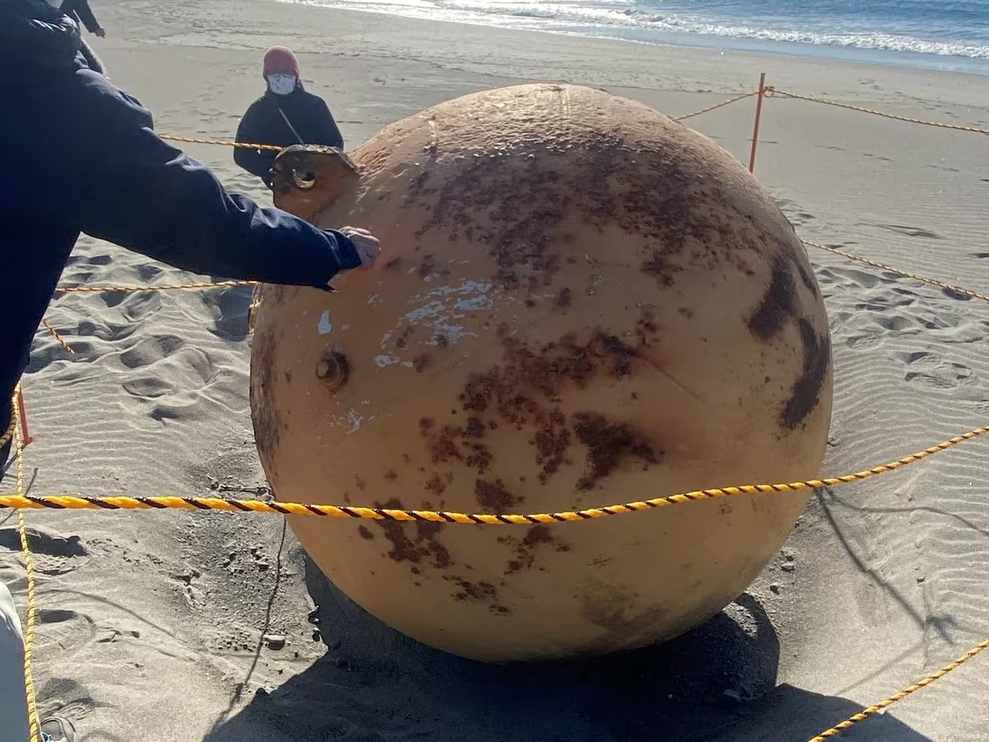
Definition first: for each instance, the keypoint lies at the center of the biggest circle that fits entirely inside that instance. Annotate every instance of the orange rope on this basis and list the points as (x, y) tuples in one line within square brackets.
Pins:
[(773, 91)]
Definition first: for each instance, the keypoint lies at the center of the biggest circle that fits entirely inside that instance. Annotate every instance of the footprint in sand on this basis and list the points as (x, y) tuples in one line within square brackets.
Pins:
[(884, 302), (229, 308), (53, 555), (908, 231), (931, 370), (945, 376), (936, 320), (140, 305), (108, 331), (48, 351), (147, 387), (61, 630), (862, 279), (133, 306), (112, 299), (150, 350), (894, 323), (956, 295), (76, 278), (905, 292), (171, 380), (190, 588), (148, 271), (790, 209), (864, 342), (74, 699), (918, 356)]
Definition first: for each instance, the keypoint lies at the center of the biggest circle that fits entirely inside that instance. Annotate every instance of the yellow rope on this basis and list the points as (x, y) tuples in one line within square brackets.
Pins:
[(716, 106), (222, 142), (164, 502), (166, 287), (32, 706), (772, 91), (891, 269), (58, 338), (899, 696)]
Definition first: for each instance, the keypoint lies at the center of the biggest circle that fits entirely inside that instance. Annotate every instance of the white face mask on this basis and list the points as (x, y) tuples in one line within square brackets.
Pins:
[(282, 84), (57, 4)]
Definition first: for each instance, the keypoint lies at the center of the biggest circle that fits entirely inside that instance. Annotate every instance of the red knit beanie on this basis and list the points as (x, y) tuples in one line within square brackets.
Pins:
[(279, 59)]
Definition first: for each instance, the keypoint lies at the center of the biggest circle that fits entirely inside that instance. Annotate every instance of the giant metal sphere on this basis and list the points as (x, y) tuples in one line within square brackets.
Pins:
[(579, 302)]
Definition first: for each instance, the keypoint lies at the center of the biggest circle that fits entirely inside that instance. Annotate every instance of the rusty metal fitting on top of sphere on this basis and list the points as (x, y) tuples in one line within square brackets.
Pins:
[(334, 369)]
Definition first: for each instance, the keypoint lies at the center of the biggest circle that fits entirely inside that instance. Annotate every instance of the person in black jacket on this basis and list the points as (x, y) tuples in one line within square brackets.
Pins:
[(286, 114), (80, 155), (81, 13)]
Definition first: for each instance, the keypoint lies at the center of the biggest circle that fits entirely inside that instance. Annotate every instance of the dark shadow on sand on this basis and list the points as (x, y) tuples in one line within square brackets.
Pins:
[(714, 684), (939, 624), (230, 307)]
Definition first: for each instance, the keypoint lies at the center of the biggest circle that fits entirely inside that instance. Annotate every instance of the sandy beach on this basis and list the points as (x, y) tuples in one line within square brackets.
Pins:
[(151, 623)]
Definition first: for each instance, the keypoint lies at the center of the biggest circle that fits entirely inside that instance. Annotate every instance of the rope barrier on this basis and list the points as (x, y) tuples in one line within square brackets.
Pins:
[(716, 106), (891, 269), (166, 502), (166, 287), (772, 91), (900, 695), (58, 338), (222, 142), (34, 725)]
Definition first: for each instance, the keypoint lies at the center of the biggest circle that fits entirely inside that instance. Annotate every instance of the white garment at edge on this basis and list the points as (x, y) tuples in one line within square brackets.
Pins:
[(13, 701)]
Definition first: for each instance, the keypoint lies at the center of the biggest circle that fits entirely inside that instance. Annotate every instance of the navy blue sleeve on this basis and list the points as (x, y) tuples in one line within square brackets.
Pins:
[(256, 162), (145, 195)]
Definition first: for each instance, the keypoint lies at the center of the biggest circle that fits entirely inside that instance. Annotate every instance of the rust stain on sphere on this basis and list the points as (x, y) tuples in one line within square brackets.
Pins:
[(578, 302)]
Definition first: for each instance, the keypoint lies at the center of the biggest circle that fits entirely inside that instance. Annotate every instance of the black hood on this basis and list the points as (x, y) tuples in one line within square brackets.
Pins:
[(36, 39)]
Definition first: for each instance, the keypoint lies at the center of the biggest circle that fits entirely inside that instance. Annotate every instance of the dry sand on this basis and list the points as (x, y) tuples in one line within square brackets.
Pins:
[(150, 623)]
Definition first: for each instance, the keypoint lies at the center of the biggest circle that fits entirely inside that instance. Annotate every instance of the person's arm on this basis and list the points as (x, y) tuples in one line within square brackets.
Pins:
[(329, 132), (82, 12), (255, 161), (137, 191)]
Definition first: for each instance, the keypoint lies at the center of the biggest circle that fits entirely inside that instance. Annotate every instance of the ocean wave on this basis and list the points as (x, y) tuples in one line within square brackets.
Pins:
[(612, 17)]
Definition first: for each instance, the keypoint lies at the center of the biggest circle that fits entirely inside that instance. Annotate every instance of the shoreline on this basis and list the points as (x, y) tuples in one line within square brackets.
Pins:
[(516, 54), (822, 53)]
